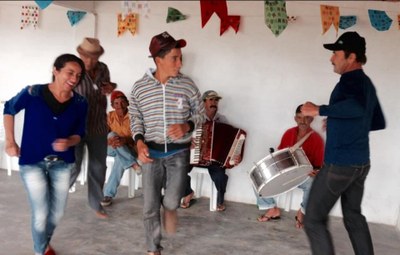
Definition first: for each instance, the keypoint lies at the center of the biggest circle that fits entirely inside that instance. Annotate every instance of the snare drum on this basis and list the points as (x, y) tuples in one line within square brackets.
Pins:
[(280, 172)]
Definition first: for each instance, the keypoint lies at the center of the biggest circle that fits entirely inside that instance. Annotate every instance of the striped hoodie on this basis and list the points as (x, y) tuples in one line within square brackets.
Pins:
[(153, 107)]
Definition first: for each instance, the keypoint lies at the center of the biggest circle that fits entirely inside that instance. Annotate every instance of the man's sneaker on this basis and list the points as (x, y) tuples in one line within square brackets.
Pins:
[(106, 201)]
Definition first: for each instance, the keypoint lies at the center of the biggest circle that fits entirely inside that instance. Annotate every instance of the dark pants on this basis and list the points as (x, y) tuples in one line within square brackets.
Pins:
[(218, 176), (334, 182), (96, 175)]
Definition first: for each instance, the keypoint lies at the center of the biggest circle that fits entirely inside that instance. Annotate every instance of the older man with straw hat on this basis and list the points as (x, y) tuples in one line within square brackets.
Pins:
[(94, 86)]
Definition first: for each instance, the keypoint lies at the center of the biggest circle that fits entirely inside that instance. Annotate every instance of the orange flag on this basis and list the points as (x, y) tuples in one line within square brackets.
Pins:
[(398, 20), (128, 23), (330, 15)]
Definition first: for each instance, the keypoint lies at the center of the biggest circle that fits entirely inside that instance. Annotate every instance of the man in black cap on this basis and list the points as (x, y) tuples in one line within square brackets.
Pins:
[(165, 106), (352, 112)]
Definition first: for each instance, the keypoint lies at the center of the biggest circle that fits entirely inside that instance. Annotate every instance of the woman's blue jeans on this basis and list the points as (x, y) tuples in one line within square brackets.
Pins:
[(334, 182), (47, 185)]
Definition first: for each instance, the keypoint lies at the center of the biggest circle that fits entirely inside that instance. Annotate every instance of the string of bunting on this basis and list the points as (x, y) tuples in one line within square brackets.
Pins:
[(275, 16)]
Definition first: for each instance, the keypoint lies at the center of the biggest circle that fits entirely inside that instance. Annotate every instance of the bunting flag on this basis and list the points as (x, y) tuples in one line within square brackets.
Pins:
[(43, 4), (347, 21), (29, 15), (174, 15), (75, 16), (275, 15), (398, 20), (129, 22), (230, 21), (329, 15), (137, 7), (209, 7), (379, 20)]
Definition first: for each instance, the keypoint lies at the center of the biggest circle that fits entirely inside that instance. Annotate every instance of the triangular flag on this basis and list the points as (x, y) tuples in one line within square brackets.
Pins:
[(329, 15), (209, 7), (398, 20), (128, 23), (347, 21), (229, 21), (275, 16), (75, 16), (29, 15), (43, 4), (379, 20), (174, 15)]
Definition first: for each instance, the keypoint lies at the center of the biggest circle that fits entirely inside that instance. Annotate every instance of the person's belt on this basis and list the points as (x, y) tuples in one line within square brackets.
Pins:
[(52, 158)]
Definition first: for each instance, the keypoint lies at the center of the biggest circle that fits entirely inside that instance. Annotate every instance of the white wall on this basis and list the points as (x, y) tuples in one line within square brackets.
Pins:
[(262, 78)]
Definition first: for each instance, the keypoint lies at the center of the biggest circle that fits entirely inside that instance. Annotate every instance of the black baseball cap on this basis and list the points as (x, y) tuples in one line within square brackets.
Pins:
[(349, 41)]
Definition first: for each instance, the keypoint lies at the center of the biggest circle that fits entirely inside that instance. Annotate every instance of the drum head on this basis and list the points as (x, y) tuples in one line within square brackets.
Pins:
[(285, 181)]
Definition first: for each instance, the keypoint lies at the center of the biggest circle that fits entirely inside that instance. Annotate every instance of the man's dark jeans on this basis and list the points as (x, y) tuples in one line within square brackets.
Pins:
[(332, 182)]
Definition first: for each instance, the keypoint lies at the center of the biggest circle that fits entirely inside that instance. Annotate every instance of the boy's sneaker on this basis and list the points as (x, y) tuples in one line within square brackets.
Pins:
[(106, 201)]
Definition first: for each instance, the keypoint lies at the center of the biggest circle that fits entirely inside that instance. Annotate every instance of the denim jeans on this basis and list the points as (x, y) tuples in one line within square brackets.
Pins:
[(267, 203), (47, 185), (169, 173), (124, 158), (334, 182)]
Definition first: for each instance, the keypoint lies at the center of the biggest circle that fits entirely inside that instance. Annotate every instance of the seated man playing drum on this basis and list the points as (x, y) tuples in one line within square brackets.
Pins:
[(313, 147)]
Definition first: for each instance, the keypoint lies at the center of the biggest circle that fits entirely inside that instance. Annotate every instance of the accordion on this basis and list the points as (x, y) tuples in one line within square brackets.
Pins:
[(219, 143)]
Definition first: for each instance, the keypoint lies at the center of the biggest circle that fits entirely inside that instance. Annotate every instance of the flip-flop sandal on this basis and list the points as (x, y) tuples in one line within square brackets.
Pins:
[(264, 218), (221, 208), (187, 205)]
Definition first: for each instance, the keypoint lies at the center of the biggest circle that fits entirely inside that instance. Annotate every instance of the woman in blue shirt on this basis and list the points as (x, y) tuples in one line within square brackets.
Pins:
[(54, 122)]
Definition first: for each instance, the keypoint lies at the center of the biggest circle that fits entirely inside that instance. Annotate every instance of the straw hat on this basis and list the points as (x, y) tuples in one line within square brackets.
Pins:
[(91, 47)]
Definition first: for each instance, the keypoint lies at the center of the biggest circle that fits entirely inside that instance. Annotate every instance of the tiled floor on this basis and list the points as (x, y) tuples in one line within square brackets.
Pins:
[(233, 232)]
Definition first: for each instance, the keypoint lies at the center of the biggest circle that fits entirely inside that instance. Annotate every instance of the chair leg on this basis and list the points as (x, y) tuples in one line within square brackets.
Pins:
[(213, 197), (131, 183), (8, 165)]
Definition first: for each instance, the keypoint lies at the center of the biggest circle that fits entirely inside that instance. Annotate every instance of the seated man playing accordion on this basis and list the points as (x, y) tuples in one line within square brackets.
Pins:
[(216, 169)]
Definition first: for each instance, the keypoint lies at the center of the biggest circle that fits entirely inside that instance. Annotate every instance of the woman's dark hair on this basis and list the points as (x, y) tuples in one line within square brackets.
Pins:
[(61, 60)]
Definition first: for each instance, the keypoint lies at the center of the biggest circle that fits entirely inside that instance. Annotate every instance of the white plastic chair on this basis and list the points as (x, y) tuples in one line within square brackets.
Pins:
[(200, 172)]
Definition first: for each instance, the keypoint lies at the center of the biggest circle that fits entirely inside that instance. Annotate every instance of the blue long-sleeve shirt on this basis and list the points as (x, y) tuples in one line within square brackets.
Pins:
[(42, 126), (353, 111)]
